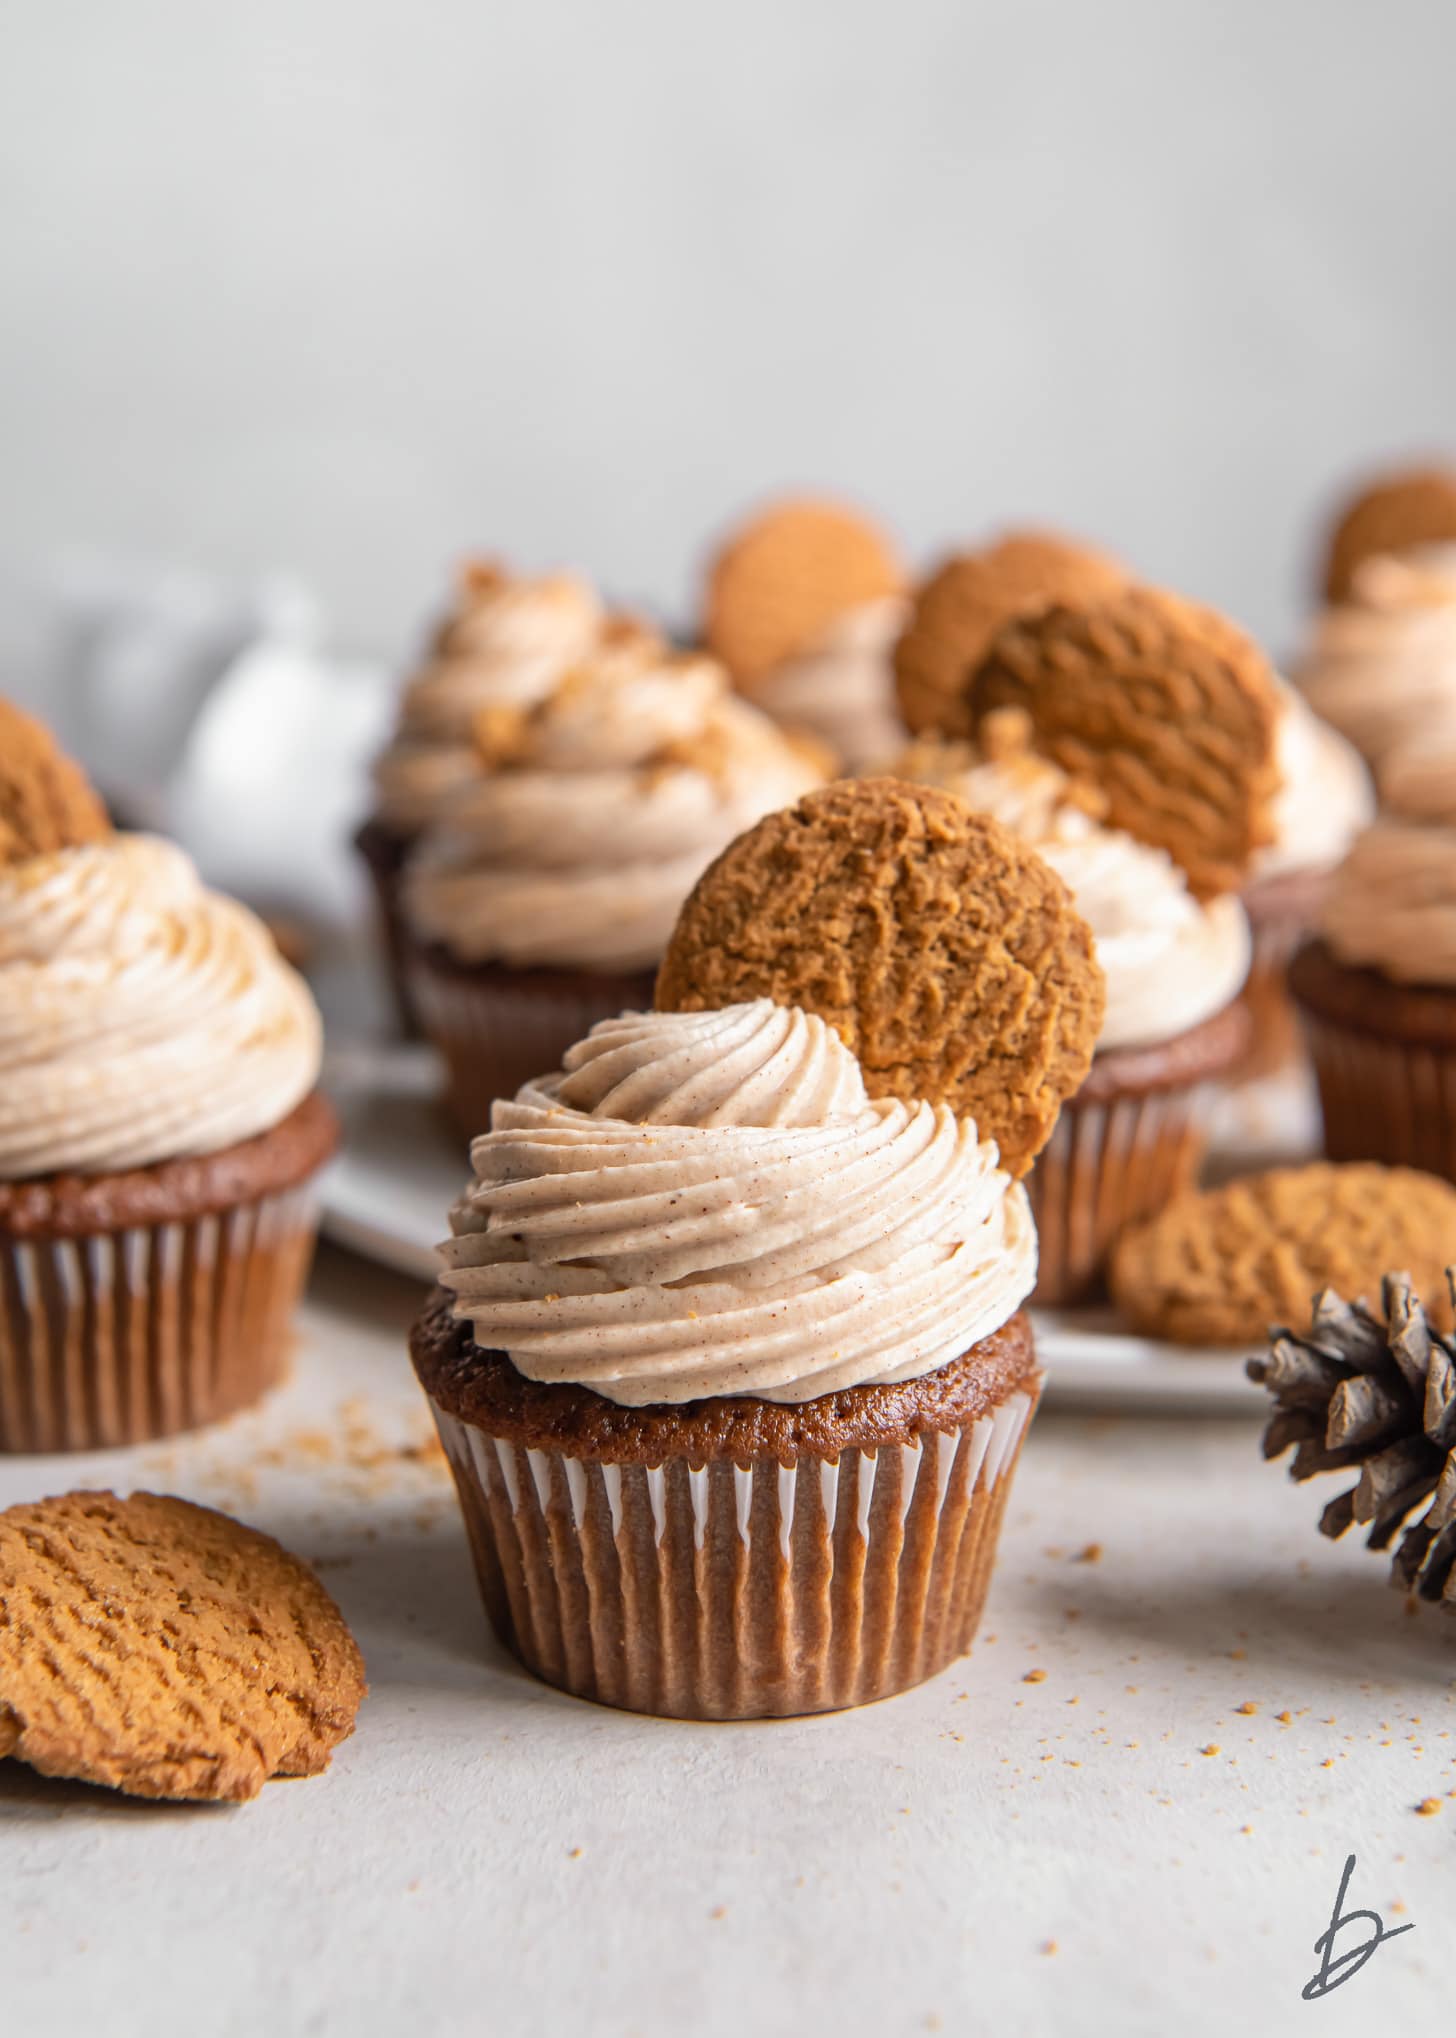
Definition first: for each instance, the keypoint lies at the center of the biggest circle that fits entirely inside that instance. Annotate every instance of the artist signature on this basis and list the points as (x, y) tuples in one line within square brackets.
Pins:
[(1335, 1969)]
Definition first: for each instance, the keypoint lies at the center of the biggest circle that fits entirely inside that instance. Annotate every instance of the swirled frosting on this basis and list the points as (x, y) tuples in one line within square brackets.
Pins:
[(1382, 665), (1325, 796), (1170, 963), (842, 687), (142, 1017), (505, 646), (709, 1203), (586, 821), (1392, 905)]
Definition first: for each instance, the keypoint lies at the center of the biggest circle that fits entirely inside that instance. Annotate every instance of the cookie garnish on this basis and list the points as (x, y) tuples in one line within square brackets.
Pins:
[(46, 801), (1218, 1267), (1400, 511), (785, 576), (166, 1650), (966, 601), (1165, 706), (944, 951)]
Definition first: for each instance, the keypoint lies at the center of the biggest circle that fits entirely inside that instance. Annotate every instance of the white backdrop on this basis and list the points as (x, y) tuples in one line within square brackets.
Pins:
[(345, 287)]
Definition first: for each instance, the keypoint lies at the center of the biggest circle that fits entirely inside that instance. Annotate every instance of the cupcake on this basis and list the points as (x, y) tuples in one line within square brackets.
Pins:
[(1325, 798), (1131, 744), (540, 896), (803, 604), (1376, 988), (506, 643), (729, 1357), (1381, 661), (958, 610), (160, 1129)]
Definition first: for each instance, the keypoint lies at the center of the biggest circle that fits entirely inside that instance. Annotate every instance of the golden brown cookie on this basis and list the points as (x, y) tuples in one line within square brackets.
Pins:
[(1163, 705), (944, 952), (785, 575), (1404, 509), (965, 602), (46, 801), (1218, 1268), (165, 1650)]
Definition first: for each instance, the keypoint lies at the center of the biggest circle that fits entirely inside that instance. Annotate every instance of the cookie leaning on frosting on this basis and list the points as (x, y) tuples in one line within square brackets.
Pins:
[(1131, 742), (730, 1360), (160, 1127)]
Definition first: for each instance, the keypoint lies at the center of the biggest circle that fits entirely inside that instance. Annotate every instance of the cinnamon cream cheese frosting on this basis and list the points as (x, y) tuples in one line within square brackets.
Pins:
[(1326, 796), (142, 1017), (1392, 906), (1382, 664), (841, 688), (586, 820), (1170, 962), (506, 645), (710, 1204)]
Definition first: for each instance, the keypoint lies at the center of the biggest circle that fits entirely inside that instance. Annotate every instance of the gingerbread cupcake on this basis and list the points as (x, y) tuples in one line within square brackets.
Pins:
[(730, 1361), (803, 604), (1131, 743), (1376, 988), (160, 1129), (540, 896), (505, 643)]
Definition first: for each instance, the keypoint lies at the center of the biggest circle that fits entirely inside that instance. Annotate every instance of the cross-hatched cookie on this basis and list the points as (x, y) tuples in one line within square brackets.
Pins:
[(1399, 511), (945, 953), (166, 1650), (785, 576), (46, 801)]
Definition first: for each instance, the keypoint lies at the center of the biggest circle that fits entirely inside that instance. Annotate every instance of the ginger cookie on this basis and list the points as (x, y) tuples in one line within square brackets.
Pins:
[(1219, 1267), (944, 952), (165, 1650), (967, 600), (46, 801), (785, 576), (1164, 706), (1405, 509)]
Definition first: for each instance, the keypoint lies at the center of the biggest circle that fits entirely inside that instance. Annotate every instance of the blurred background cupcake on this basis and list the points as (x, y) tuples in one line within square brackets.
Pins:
[(160, 1129), (539, 896), (803, 603)]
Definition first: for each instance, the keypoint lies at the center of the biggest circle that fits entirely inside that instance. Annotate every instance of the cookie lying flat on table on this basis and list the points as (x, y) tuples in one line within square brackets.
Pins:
[(945, 953), (46, 801), (967, 600), (1218, 1268), (785, 576), (1164, 706), (1417, 507), (166, 1650)]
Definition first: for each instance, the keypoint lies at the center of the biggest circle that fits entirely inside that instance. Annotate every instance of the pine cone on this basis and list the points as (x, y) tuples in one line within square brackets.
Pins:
[(1356, 1390)]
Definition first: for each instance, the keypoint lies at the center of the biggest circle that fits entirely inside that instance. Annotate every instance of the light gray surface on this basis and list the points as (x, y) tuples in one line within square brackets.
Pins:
[(348, 286), (1113, 1847)]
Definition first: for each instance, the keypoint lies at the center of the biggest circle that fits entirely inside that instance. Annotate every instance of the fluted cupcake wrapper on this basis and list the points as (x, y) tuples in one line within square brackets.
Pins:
[(495, 1027), (739, 1591), (1388, 1100), (1106, 1165), (118, 1337)]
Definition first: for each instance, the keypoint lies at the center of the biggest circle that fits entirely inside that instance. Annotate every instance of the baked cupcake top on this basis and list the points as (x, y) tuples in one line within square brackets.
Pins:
[(1170, 960), (1381, 662), (710, 1203), (505, 644), (142, 1016), (586, 815)]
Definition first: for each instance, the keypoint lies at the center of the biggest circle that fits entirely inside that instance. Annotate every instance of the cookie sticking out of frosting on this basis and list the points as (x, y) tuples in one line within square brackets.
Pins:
[(943, 951), (1401, 510), (1164, 705), (46, 801)]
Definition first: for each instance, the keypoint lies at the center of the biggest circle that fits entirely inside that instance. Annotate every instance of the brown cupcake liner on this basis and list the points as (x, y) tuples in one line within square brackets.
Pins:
[(384, 853), (739, 1591), (117, 1337), (1108, 1163), (1391, 1100), (496, 1027)]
